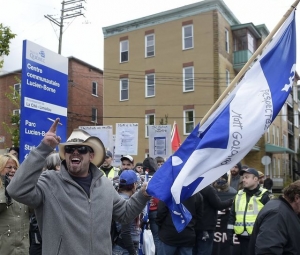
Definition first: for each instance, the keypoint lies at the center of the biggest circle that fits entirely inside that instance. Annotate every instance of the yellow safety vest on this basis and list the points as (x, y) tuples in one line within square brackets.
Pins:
[(112, 173), (246, 213)]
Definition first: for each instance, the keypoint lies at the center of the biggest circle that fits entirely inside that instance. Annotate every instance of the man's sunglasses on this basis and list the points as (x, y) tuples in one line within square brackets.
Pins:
[(81, 149)]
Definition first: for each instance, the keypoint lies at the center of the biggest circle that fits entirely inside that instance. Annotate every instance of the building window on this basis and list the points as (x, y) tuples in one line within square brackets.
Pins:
[(278, 166), (227, 40), (274, 166), (273, 135), (296, 118), (149, 120), (188, 79), (283, 112), (277, 136), (285, 143), (187, 37), (296, 145), (124, 51), (295, 93), (94, 88), (150, 45), (124, 89), (227, 78), (268, 135), (17, 89), (150, 85), (188, 117), (16, 112), (94, 115)]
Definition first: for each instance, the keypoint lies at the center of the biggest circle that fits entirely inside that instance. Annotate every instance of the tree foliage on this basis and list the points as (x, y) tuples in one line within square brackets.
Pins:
[(6, 36), (13, 128)]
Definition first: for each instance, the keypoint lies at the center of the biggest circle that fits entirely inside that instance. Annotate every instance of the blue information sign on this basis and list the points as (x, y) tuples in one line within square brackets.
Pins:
[(44, 95)]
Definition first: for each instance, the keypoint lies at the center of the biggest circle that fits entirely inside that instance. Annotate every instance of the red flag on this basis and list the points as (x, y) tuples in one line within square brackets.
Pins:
[(175, 138)]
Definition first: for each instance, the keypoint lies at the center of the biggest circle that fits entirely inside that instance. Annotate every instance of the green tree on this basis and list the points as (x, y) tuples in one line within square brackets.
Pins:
[(5, 38), (13, 129)]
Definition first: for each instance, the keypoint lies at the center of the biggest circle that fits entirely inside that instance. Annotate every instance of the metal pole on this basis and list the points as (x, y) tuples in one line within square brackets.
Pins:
[(61, 27)]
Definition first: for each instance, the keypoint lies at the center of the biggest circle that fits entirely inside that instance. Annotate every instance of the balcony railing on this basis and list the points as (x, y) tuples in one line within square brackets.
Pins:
[(240, 58)]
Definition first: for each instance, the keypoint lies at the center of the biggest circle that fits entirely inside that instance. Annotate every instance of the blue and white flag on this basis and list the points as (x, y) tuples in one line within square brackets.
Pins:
[(232, 130)]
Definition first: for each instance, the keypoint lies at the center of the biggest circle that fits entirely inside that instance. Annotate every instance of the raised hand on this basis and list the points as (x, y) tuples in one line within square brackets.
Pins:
[(50, 137)]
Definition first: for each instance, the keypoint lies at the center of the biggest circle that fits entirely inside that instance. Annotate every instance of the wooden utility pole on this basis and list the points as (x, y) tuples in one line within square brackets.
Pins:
[(66, 13)]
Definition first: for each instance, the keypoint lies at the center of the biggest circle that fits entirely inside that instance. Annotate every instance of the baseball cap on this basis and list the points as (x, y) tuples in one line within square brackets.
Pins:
[(128, 157), (250, 171), (128, 177), (108, 154)]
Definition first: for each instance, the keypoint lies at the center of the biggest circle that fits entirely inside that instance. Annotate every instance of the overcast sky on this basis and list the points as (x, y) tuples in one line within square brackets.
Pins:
[(83, 37)]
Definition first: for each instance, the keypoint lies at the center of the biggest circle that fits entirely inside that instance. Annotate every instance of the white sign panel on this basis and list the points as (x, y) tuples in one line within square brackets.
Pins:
[(126, 138), (104, 133), (159, 141)]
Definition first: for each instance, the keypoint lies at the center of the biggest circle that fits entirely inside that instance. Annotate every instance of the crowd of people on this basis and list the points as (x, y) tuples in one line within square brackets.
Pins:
[(68, 202)]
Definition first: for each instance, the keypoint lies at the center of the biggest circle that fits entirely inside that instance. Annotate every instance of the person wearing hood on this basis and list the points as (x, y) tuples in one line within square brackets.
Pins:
[(234, 179)]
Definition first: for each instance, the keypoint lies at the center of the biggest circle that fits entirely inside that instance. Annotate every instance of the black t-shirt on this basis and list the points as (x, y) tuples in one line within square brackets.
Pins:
[(84, 182)]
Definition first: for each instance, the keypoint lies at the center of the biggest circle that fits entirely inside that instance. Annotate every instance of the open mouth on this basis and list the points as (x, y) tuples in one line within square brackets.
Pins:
[(75, 161)]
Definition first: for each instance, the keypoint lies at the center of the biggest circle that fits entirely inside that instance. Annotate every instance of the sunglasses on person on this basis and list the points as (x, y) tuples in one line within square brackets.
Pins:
[(81, 149)]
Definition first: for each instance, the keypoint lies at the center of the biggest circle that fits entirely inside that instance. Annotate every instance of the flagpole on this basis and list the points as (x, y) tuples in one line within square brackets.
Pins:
[(247, 65)]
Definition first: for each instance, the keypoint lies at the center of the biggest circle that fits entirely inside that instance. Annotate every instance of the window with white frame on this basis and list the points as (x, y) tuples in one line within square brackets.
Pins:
[(16, 112), (150, 85), (94, 115), (124, 51), (150, 45), (284, 141), (295, 93), (188, 79), (278, 166), (268, 135), (187, 37), (94, 88), (17, 89), (296, 118), (189, 121), (227, 40), (274, 165), (227, 78), (277, 136), (273, 135), (283, 112), (149, 120), (296, 145), (124, 89)]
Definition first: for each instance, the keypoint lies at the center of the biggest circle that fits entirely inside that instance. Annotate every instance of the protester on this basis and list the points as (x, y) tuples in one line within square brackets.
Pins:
[(35, 239), (14, 216), (107, 168), (14, 151), (261, 178), (173, 242), (150, 166), (127, 163), (247, 204), (234, 179), (139, 168), (129, 234), (221, 245), (75, 206), (160, 161), (268, 183), (206, 227), (277, 227)]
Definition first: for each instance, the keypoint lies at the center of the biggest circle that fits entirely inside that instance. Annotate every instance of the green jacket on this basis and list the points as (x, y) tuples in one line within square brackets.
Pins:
[(70, 222), (14, 227)]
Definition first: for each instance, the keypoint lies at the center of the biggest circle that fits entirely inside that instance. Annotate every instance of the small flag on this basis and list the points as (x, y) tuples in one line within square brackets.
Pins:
[(175, 138)]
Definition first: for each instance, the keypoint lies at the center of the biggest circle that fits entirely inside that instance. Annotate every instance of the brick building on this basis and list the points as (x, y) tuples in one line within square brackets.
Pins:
[(178, 63), (85, 97)]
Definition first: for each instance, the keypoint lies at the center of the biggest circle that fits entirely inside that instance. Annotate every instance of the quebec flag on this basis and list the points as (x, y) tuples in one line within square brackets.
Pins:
[(232, 130)]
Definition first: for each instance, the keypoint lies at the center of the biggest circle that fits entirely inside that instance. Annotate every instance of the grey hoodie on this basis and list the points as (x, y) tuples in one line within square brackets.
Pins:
[(70, 222)]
